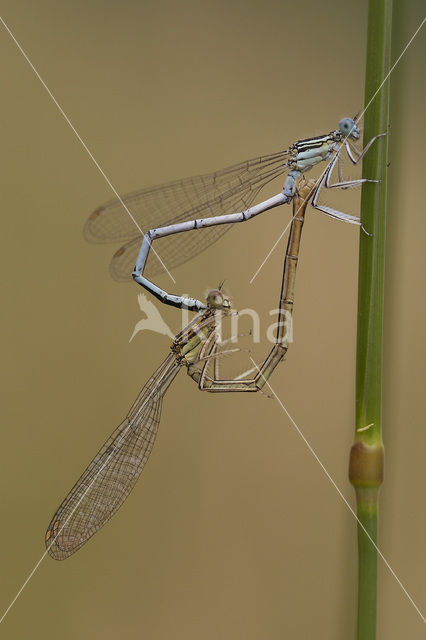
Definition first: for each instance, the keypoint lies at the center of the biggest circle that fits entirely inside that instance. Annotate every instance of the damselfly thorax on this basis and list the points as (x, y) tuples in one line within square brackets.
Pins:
[(190, 214)]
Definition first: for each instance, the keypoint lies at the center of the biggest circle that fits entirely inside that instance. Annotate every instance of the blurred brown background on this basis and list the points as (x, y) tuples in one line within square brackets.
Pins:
[(234, 531)]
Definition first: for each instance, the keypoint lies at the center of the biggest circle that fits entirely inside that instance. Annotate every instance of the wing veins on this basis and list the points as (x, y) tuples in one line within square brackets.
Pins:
[(113, 472)]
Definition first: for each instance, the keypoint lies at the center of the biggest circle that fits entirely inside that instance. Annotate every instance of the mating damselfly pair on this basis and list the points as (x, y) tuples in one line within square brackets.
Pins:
[(113, 472)]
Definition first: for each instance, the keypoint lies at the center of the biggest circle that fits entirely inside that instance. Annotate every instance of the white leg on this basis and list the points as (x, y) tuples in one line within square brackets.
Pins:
[(339, 167), (342, 184), (179, 301), (360, 154), (333, 213)]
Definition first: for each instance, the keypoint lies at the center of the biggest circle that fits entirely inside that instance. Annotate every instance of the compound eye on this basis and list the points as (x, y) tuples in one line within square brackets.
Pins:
[(347, 125), (215, 298)]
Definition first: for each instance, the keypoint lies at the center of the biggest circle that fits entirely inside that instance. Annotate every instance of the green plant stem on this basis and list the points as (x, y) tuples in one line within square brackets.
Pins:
[(366, 459)]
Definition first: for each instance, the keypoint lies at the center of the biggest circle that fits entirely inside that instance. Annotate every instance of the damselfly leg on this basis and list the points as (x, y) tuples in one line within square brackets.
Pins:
[(211, 348), (302, 157)]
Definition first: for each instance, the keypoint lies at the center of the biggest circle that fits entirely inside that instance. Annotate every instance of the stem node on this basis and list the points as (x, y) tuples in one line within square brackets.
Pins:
[(366, 464)]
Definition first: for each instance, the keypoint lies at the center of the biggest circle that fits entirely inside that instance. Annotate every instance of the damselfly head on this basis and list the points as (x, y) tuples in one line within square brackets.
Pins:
[(349, 128), (217, 299)]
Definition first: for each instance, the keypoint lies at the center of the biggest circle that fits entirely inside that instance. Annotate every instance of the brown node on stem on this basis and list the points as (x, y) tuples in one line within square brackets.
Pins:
[(366, 464)]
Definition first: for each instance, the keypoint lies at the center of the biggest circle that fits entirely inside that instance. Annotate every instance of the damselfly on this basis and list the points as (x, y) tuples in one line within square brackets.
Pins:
[(179, 206), (112, 474)]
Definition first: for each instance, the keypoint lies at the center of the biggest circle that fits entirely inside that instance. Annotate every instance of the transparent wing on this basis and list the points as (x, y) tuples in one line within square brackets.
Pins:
[(112, 474), (227, 191)]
